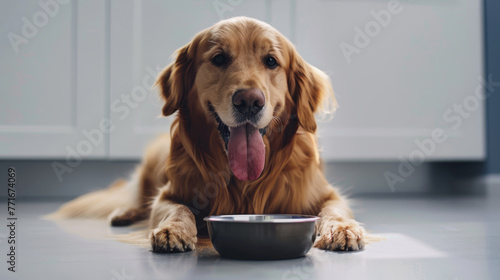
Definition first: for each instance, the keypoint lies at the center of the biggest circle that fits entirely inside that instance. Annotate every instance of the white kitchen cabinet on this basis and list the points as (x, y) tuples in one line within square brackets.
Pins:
[(403, 81), (52, 79), (96, 60)]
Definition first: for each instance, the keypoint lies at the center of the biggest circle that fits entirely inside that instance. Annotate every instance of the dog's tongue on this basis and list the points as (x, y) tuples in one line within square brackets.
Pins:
[(246, 152)]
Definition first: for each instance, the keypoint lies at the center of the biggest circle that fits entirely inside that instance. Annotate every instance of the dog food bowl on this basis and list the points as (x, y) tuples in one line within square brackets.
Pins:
[(262, 237)]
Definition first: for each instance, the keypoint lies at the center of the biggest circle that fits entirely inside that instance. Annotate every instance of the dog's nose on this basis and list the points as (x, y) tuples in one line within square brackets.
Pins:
[(249, 101)]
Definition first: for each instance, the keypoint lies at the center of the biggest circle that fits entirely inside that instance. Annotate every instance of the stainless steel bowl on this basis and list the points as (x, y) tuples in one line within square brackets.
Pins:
[(262, 237)]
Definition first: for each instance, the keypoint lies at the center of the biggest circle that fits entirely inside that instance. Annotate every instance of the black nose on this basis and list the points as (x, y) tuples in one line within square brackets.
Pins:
[(249, 101)]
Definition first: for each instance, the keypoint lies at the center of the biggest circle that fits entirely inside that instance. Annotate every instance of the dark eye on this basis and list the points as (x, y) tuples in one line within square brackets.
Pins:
[(220, 59), (270, 62)]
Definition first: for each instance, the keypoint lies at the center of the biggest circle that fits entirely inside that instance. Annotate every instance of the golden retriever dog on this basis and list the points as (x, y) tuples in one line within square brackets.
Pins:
[(243, 142)]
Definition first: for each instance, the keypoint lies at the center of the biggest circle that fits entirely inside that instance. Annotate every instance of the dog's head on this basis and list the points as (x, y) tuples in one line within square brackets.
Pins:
[(247, 79)]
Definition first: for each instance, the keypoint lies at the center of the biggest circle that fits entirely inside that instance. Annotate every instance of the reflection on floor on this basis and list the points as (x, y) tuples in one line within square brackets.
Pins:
[(426, 238)]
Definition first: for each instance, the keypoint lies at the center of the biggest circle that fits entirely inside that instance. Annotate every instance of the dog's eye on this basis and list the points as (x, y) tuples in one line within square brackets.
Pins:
[(270, 62), (220, 60)]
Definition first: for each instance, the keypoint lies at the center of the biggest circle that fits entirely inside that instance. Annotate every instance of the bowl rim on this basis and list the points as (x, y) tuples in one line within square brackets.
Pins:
[(300, 219)]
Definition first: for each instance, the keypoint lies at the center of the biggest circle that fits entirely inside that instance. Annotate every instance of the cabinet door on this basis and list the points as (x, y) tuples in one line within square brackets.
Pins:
[(144, 35), (399, 70), (52, 78)]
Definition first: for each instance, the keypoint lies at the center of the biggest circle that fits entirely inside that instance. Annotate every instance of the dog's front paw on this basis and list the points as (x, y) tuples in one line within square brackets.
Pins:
[(172, 238), (345, 235)]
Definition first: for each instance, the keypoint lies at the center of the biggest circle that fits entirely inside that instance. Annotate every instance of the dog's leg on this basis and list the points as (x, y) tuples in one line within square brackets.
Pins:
[(173, 225), (143, 186), (337, 230), (128, 216)]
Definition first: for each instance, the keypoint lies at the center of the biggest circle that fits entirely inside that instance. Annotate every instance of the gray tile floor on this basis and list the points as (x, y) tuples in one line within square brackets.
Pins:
[(426, 238)]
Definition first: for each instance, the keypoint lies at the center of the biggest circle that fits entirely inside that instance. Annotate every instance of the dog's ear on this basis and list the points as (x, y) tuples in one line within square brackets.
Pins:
[(310, 89), (176, 80)]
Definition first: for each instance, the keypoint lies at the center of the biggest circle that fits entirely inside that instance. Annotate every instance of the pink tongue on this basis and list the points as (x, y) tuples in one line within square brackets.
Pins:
[(246, 152)]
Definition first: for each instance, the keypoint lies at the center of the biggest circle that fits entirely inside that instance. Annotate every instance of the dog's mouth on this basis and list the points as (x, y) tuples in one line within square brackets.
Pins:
[(245, 148)]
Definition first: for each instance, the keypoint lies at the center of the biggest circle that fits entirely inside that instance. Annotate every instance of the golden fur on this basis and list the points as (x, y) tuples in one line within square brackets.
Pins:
[(186, 175)]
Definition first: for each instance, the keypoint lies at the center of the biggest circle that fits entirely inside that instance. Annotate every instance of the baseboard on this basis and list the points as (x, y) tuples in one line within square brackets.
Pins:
[(492, 185), (38, 179), (485, 184)]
